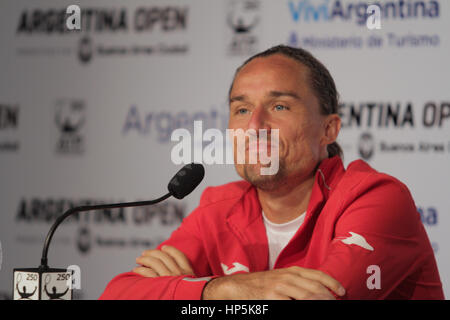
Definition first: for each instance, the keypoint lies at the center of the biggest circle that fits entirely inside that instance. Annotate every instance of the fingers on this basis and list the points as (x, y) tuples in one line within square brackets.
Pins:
[(164, 261), (145, 272), (180, 259), (320, 277), (168, 261), (298, 293), (156, 265), (279, 284), (301, 288)]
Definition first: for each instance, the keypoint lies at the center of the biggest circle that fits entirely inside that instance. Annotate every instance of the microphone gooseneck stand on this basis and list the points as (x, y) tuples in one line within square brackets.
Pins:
[(61, 218)]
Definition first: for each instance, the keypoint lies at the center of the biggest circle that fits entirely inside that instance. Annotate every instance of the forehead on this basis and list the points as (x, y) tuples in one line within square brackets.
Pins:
[(275, 72)]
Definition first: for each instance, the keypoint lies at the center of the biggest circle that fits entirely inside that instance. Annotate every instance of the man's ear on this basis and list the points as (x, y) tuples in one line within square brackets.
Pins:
[(332, 126)]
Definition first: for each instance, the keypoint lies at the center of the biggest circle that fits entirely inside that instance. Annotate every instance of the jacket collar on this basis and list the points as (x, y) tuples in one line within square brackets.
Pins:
[(248, 209)]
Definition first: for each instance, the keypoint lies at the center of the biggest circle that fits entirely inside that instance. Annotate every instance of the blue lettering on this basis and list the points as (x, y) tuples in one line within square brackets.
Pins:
[(316, 12), (132, 121), (337, 11), (434, 9), (309, 11), (361, 13), (296, 11), (356, 11), (428, 216), (182, 121), (165, 122), (164, 125), (293, 40)]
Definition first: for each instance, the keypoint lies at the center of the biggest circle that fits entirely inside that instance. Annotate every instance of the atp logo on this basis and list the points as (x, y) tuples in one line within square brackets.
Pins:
[(244, 27), (366, 146), (54, 294), (70, 122), (26, 286)]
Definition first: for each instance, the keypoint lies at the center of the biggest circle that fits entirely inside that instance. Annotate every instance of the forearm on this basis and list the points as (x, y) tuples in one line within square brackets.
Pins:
[(218, 289), (287, 283), (234, 287), (131, 286)]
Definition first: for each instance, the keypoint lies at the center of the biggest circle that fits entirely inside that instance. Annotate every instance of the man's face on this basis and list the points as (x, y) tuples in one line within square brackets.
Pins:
[(273, 93)]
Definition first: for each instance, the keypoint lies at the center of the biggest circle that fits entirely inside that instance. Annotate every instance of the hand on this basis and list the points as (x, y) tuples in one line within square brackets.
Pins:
[(280, 284), (169, 261)]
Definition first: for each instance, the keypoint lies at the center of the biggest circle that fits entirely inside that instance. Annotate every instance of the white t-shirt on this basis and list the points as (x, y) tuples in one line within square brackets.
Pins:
[(278, 235)]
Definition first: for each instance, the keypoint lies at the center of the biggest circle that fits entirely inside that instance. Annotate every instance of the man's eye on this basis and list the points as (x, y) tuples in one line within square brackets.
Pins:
[(280, 107), (242, 111)]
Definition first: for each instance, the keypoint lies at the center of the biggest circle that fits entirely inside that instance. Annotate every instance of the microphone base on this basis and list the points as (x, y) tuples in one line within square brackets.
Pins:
[(42, 284)]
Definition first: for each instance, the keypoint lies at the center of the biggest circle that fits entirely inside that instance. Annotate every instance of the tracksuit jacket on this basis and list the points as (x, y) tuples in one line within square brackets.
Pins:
[(361, 227)]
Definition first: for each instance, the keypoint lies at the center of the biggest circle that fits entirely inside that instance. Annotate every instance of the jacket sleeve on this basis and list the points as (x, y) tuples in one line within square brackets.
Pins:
[(379, 240), (135, 287)]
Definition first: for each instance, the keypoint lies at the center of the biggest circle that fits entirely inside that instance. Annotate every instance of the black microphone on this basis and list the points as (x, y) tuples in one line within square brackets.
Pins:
[(186, 180), (182, 184)]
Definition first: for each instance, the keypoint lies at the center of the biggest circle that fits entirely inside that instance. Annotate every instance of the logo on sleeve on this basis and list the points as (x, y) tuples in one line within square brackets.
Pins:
[(359, 240), (236, 268)]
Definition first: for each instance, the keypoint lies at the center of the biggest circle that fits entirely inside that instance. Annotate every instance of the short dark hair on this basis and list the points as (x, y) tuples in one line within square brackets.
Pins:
[(320, 80)]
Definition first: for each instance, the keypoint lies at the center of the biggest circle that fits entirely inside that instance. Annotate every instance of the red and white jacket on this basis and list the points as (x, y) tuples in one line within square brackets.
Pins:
[(360, 224)]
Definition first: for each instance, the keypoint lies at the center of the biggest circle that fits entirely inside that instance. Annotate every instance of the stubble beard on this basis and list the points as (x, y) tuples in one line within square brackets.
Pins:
[(252, 174)]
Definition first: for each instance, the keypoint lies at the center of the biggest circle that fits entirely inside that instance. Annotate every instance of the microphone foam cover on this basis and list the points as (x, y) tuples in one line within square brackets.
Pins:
[(186, 180)]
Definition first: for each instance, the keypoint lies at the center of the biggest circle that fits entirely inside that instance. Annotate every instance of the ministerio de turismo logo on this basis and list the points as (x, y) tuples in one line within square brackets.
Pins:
[(235, 147)]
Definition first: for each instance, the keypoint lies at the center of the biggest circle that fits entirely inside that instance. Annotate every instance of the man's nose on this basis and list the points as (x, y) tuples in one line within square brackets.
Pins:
[(259, 119)]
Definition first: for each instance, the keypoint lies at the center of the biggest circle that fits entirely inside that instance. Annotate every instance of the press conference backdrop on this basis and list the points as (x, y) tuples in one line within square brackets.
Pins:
[(86, 116)]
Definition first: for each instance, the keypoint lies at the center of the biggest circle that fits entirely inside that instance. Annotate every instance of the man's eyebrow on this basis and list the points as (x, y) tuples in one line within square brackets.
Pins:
[(277, 94), (237, 98), (272, 94)]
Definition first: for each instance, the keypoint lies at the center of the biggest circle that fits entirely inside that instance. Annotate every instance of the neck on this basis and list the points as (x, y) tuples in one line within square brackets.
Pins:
[(287, 202)]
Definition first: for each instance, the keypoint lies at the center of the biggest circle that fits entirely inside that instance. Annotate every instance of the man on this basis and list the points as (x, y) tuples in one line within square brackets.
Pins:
[(313, 230)]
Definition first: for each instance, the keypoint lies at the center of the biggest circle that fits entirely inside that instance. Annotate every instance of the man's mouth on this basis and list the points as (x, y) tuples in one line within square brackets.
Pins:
[(265, 147)]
